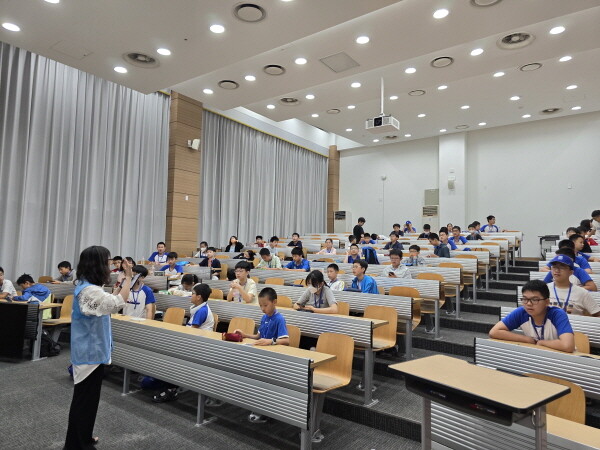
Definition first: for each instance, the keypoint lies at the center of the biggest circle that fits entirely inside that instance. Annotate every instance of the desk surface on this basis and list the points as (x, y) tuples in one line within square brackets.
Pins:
[(42, 305), (316, 358), (573, 431), (539, 347), (514, 392)]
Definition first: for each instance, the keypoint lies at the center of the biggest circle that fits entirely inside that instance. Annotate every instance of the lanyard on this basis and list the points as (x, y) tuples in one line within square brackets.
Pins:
[(567, 299), (535, 327), (319, 303), (135, 296)]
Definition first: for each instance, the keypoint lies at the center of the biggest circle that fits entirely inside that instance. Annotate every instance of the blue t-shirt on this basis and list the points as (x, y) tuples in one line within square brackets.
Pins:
[(155, 257), (451, 244), (304, 264), (487, 228), (462, 240), (583, 255), (200, 316), (368, 285), (272, 327), (557, 323), (178, 268), (352, 259), (579, 273)]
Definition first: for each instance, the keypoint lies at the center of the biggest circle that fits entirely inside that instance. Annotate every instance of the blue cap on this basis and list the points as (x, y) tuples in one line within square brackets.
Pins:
[(563, 259), (409, 222)]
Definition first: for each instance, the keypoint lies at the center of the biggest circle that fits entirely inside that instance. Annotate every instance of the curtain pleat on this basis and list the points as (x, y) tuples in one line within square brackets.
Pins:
[(253, 183), (82, 161)]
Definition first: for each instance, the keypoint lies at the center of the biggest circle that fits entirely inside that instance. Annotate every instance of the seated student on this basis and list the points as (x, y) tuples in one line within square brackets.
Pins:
[(444, 239), (596, 223), (273, 243), (477, 226), (456, 237), (353, 254), (580, 277), (408, 227), (439, 250), (542, 324), (580, 261), (298, 262), (317, 298), (117, 261), (426, 232), (414, 258), (571, 231), (396, 228), (449, 226), (295, 242), (121, 273), (364, 283), (160, 255), (578, 244), (188, 281), (393, 244), (6, 287), (491, 226), (473, 234), (33, 292), (328, 249), (588, 243), (366, 240), (141, 302), (212, 262), (172, 270), (259, 242), (248, 255), (564, 294), (333, 283), (396, 270), (67, 274), (375, 237), (352, 239), (243, 288), (202, 252), (268, 260), (234, 245)]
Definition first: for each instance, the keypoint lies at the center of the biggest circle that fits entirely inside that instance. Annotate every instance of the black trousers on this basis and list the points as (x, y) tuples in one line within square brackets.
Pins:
[(82, 414)]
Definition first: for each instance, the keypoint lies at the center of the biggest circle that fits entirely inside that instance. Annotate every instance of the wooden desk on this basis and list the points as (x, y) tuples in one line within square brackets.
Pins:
[(574, 431), (479, 391), (540, 347)]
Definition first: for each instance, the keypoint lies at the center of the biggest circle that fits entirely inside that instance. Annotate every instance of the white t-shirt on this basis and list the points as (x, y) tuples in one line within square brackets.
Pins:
[(250, 288), (596, 225), (400, 272), (7, 286), (137, 301), (580, 299), (337, 285)]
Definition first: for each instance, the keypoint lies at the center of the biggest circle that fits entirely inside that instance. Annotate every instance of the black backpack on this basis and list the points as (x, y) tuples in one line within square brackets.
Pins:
[(48, 347)]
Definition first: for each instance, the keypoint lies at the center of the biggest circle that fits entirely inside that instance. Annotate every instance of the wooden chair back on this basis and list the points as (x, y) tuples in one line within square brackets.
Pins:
[(275, 280), (284, 301), (216, 293), (383, 336), (582, 342), (241, 323), (342, 272), (67, 307), (569, 407), (430, 276), (381, 290), (224, 269), (452, 265), (45, 279), (222, 256), (464, 256), (215, 320), (294, 335), (174, 316), (300, 282), (255, 279), (343, 308), (340, 369), (281, 255), (403, 291)]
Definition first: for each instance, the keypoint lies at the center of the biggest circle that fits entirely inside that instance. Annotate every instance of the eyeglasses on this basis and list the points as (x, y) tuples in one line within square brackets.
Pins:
[(533, 300), (240, 271), (560, 267)]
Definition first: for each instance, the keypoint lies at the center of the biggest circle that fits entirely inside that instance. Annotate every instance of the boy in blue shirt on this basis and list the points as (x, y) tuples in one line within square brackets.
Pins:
[(160, 255), (579, 260), (579, 276), (444, 239), (542, 324), (33, 292), (172, 270), (491, 226), (456, 237), (364, 283), (298, 262), (579, 243), (295, 242)]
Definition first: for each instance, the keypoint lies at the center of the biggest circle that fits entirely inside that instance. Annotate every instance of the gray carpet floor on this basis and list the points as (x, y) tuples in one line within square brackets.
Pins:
[(35, 398)]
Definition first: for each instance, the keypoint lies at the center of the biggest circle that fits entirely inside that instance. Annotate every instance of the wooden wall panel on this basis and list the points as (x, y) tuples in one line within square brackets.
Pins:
[(184, 182), (180, 207), (184, 158), (333, 185)]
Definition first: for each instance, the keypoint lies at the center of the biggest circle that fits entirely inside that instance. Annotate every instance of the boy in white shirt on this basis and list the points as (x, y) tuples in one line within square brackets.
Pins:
[(188, 281), (333, 283), (273, 243), (328, 249), (396, 270), (141, 302), (243, 288), (268, 260), (172, 270), (6, 286), (566, 295)]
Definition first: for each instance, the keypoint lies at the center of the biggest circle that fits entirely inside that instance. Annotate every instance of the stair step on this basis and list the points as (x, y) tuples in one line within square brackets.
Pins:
[(505, 295), (469, 322), (526, 263), (453, 342), (509, 285), (521, 277), (483, 306)]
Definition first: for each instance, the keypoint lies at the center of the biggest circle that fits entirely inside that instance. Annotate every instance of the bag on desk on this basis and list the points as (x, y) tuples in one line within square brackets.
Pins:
[(232, 337), (48, 346)]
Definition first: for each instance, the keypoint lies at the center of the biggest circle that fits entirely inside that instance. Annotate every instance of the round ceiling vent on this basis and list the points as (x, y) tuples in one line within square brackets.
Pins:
[(289, 101), (530, 67), (442, 61), (484, 2), (514, 41), (550, 110), (461, 127), (416, 93), (228, 84), (391, 137), (274, 69), (333, 111), (249, 12), (141, 60)]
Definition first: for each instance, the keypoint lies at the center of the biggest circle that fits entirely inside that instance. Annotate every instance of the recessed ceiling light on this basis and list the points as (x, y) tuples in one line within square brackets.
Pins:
[(499, 74), (566, 58), (394, 97), (362, 39), (375, 140), (482, 124), (443, 130), (571, 86), (52, 1), (120, 69), (421, 115), (11, 26), (526, 116), (442, 87), (417, 93), (217, 28), (300, 61), (351, 106), (410, 70), (314, 115), (461, 127), (465, 107), (476, 52), (163, 51), (575, 108), (515, 98), (348, 130), (557, 30), (207, 91), (440, 13), (407, 135), (309, 97), (356, 84), (250, 78), (270, 106)]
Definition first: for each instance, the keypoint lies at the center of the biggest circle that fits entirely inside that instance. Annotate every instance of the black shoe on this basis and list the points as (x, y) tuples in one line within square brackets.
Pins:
[(165, 396)]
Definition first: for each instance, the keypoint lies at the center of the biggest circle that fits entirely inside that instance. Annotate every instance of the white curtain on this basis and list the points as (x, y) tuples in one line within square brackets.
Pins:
[(82, 161), (254, 183)]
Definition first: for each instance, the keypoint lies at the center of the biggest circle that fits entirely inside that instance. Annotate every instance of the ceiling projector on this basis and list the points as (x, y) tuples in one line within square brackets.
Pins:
[(382, 124)]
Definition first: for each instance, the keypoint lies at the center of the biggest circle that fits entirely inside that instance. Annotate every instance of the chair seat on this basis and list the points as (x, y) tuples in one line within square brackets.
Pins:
[(324, 383), (54, 322), (382, 344)]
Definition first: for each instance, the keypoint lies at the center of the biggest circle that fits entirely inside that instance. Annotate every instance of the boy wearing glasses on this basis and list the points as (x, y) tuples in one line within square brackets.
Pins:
[(540, 323), (243, 288), (566, 295)]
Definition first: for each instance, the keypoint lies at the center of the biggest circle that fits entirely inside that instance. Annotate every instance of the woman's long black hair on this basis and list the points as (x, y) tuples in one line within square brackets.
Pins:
[(93, 265)]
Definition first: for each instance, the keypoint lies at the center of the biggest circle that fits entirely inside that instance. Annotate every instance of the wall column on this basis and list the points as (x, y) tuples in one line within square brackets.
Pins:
[(452, 163), (183, 192), (333, 185)]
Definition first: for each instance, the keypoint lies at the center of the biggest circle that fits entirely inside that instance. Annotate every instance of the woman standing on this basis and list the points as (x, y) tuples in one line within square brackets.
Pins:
[(91, 340)]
